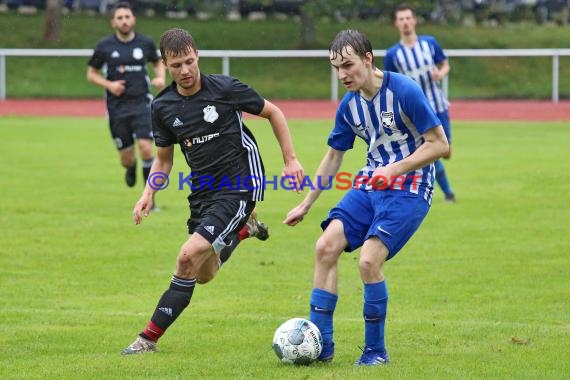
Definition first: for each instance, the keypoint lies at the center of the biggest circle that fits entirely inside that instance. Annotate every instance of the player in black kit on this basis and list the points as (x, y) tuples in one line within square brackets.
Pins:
[(123, 57), (203, 115)]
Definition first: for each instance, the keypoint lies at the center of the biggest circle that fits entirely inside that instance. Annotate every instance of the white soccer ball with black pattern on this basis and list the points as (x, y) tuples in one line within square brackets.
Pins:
[(297, 341)]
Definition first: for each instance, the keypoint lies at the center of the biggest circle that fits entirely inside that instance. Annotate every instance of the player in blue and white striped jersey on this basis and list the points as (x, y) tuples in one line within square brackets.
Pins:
[(422, 59), (391, 194)]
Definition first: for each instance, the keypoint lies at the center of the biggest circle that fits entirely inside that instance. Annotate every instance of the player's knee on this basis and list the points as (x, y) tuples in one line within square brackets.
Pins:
[(127, 162), (186, 261), (145, 147), (447, 156), (146, 152), (128, 158), (326, 250), (208, 271), (366, 266), (370, 267)]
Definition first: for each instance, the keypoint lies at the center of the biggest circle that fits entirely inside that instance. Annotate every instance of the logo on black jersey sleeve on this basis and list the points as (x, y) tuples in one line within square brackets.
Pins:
[(177, 123)]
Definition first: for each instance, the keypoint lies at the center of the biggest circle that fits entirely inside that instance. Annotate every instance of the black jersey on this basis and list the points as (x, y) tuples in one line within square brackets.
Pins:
[(126, 61), (220, 150)]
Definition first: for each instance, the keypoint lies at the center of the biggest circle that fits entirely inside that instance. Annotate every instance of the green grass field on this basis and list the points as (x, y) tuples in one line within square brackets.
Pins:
[(480, 292)]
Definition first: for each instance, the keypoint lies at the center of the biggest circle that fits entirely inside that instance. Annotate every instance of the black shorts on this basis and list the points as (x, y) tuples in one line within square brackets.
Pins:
[(130, 120), (219, 221)]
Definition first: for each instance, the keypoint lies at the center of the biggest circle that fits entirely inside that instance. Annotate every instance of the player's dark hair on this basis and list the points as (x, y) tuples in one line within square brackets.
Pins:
[(404, 7), (121, 5), (176, 42), (359, 43)]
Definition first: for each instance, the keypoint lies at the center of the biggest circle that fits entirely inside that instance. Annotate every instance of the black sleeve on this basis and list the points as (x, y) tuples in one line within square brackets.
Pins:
[(245, 97), (152, 52), (98, 58), (162, 136)]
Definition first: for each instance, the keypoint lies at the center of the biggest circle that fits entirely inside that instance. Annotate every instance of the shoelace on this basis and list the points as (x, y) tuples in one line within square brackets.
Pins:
[(379, 359)]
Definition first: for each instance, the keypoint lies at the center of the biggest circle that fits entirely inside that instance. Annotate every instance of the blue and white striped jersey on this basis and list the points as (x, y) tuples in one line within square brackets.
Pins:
[(418, 62), (391, 124)]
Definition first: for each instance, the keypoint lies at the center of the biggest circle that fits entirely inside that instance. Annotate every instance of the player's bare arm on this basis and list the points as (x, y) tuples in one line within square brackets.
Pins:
[(114, 87), (435, 146), (329, 166), (159, 74), (281, 131), (441, 70), (163, 164)]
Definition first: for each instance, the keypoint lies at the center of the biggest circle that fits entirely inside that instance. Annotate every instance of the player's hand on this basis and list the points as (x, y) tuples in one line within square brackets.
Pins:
[(382, 178), (142, 208), (295, 173), (296, 215), (436, 74), (117, 87), (157, 82)]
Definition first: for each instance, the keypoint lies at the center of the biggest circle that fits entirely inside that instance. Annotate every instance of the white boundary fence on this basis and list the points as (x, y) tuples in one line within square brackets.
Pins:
[(226, 55)]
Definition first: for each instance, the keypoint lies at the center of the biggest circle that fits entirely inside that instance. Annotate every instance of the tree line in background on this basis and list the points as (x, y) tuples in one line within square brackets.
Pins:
[(308, 12)]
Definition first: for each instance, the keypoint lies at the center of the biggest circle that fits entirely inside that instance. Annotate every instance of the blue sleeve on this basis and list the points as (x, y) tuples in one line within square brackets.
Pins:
[(438, 54), (416, 106), (342, 136), (389, 61)]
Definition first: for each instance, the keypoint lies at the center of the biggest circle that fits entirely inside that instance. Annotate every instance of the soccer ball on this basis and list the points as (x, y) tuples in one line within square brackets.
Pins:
[(297, 341)]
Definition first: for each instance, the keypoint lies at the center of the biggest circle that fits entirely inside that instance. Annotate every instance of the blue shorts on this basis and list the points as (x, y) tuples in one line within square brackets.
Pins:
[(391, 215), (444, 118)]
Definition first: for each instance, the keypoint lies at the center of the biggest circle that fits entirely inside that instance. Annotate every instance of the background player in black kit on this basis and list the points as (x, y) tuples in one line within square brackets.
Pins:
[(123, 57), (203, 114)]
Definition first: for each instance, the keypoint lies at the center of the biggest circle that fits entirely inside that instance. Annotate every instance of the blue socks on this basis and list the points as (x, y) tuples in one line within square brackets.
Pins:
[(441, 178), (375, 305), (323, 304)]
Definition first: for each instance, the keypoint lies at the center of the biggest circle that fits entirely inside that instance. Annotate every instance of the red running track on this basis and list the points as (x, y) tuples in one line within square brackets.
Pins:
[(313, 109)]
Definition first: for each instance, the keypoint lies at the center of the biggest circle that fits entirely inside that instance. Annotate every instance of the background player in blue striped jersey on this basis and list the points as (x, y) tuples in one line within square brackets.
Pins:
[(422, 59), (392, 115)]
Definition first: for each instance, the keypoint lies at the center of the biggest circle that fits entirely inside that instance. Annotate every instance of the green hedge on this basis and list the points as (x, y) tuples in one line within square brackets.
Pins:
[(528, 78)]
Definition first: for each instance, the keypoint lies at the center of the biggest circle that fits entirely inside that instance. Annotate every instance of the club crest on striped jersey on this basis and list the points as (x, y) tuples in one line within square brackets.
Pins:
[(387, 118), (210, 114)]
